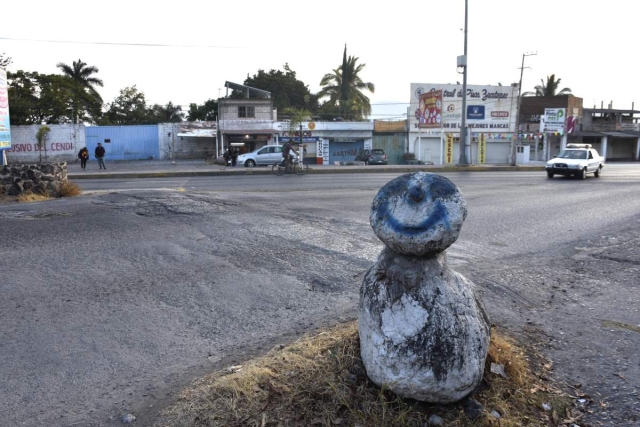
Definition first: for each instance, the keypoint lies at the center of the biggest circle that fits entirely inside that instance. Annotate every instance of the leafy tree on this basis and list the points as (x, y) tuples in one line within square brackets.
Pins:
[(168, 113), (286, 90), (203, 113), (344, 87), (5, 61), (550, 88), (50, 98), (129, 108)]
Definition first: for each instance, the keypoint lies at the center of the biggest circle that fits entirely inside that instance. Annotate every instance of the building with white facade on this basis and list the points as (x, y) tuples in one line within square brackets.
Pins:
[(435, 117)]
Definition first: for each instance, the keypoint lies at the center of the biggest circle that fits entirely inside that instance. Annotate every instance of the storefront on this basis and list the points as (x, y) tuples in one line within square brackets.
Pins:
[(246, 141), (330, 142), (436, 118)]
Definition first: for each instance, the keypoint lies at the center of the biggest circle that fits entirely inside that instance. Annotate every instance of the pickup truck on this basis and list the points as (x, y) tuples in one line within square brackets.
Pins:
[(578, 160)]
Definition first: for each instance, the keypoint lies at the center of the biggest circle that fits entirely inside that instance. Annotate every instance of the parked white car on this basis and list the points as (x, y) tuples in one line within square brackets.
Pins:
[(578, 160), (266, 155)]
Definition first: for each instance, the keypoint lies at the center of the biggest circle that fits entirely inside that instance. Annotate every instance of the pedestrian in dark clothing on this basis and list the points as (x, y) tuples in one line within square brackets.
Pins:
[(234, 157), (100, 156), (287, 157), (83, 155)]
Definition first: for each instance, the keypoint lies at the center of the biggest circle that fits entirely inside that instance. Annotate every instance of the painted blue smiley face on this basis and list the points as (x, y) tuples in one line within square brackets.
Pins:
[(418, 214)]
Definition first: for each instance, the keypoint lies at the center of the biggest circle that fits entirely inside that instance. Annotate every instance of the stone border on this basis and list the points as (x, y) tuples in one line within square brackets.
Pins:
[(45, 179)]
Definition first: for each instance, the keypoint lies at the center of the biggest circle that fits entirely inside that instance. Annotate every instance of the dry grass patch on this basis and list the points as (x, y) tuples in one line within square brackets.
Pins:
[(30, 197), (320, 381), (70, 189)]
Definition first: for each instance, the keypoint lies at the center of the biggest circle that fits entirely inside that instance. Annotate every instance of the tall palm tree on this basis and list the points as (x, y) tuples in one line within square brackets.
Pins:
[(83, 74), (550, 88), (344, 88), (168, 113)]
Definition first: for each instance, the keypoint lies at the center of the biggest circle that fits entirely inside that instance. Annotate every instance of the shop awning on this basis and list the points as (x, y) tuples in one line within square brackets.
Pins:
[(248, 131), (198, 133), (585, 133), (620, 134)]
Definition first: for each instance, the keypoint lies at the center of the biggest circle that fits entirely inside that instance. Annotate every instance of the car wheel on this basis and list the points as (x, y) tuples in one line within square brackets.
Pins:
[(583, 173), (249, 163), (597, 172), (549, 175)]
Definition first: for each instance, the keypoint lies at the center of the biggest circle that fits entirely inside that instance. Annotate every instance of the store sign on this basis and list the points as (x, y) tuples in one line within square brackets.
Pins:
[(322, 150), (448, 148), (482, 148), (5, 126), (489, 108), (627, 126), (429, 113), (553, 120), (475, 112), (296, 139)]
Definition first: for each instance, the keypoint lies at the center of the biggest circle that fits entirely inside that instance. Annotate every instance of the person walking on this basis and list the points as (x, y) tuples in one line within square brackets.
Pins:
[(83, 155), (100, 156)]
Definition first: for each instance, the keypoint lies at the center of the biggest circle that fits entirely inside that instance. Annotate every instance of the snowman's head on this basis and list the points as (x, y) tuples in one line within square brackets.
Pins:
[(418, 214)]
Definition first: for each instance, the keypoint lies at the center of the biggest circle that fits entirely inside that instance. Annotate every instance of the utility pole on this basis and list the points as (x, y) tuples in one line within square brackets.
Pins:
[(517, 134), (465, 144)]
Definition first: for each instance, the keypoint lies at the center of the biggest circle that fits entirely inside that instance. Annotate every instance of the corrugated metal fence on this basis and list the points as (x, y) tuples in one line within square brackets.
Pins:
[(124, 142)]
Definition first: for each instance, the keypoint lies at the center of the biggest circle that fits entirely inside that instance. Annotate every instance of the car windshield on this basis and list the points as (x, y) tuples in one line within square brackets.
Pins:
[(572, 154)]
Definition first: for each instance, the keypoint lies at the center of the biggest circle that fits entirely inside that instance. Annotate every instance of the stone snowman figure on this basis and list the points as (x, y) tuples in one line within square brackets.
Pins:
[(423, 332)]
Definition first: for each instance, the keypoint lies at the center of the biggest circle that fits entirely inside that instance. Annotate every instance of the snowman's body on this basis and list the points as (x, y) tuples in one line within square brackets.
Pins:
[(423, 332)]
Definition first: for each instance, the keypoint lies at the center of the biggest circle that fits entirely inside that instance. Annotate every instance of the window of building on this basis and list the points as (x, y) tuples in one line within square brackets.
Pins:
[(246, 111)]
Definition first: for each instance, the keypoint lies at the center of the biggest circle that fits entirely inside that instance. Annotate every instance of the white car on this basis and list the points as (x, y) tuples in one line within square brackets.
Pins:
[(578, 160), (267, 155)]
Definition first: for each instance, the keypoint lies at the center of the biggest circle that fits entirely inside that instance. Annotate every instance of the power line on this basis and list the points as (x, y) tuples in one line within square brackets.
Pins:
[(123, 44)]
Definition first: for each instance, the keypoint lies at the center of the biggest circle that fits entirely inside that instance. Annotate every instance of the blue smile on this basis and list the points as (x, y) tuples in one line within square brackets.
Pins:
[(439, 216)]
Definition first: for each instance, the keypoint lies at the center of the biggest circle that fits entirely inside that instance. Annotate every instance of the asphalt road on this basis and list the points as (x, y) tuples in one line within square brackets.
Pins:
[(114, 300)]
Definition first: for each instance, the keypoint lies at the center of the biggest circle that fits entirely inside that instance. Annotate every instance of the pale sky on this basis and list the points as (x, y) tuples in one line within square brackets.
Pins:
[(591, 48)]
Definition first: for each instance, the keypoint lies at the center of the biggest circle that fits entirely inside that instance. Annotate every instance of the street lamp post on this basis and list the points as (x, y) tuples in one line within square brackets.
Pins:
[(517, 134), (465, 144)]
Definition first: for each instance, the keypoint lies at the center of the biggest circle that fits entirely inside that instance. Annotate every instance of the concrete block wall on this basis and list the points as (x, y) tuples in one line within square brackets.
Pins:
[(62, 144), (185, 147)]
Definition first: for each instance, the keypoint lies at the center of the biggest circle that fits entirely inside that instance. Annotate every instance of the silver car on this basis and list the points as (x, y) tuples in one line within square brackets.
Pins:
[(267, 155)]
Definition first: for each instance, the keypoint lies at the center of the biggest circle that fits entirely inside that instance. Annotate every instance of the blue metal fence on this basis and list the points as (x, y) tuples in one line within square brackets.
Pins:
[(124, 142)]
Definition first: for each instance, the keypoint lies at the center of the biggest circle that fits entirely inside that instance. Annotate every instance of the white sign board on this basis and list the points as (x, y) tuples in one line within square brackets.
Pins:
[(489, 108), (553, 120)]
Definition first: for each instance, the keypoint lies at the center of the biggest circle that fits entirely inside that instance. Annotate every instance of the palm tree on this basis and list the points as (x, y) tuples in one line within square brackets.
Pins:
[(82, 73), (550, 88), (168, 113), (83, 76), (344, 88)]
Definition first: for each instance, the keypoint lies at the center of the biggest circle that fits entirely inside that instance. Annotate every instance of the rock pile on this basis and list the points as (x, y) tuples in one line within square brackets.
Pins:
[(41, 179), (423, 332)]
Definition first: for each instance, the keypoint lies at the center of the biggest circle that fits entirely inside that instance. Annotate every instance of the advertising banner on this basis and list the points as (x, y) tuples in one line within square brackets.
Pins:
[(489, 108), (482, 148), (448, 148), (429, 114), (5, 127), (553, 120)]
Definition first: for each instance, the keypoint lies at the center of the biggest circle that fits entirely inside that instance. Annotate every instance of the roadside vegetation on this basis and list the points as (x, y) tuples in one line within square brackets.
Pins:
[(320, 381), (67, 189)]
